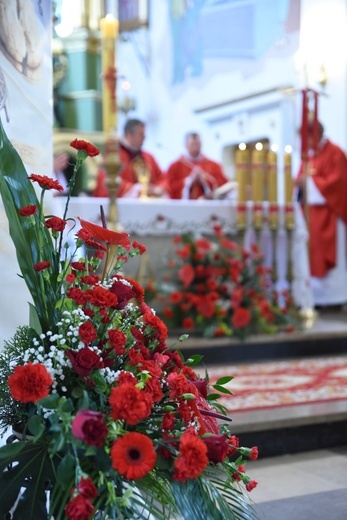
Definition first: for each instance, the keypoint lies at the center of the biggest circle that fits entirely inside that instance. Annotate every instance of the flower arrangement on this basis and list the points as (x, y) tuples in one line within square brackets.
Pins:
[(217, 288), (109, 422)]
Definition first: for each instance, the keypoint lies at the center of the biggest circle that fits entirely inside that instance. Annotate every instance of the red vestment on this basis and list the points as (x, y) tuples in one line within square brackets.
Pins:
[(134, 162), (329, 172), (179, 170)]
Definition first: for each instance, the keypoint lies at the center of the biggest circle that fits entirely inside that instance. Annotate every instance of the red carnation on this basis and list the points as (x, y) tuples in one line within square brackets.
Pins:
[(79, 508), (133, 455), (90, 149), (55, 223), (142, 248), (40, 266), (101, 297), (89, 426), (188, 323), (87, 332), (192, 458), (241, 318), (46, 183), (251, 485), (178, 384), (186, 274), (130, 404), (117, 340), (78, 266), (29, 383), (27, 211)]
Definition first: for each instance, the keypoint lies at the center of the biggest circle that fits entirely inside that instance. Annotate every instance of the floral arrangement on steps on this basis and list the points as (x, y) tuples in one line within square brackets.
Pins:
[(216, 288), (113, 423)]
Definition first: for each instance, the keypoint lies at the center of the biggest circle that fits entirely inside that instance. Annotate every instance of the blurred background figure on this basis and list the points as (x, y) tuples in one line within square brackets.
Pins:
[(193, 175), (140, 174), (323, 188)]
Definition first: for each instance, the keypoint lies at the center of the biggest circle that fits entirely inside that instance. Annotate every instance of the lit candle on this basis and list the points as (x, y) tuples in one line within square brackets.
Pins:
[(257, 171), (272, 174), (288, 179), (109, 33), (241, 167)]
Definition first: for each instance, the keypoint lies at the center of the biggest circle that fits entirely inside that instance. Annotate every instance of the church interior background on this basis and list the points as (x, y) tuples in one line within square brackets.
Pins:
[(234, 71)]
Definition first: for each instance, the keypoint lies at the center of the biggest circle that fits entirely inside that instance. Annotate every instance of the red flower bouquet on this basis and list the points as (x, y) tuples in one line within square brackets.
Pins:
[(113, 422), (217, 288)]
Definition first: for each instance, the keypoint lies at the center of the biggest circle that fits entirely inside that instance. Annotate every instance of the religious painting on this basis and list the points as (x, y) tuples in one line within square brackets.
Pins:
[(207, 33), (133, 14)]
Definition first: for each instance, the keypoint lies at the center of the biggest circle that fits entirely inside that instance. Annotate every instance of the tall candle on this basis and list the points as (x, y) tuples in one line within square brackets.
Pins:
[(257, 173), (272, 175), (109, 33), (241, 167), (288, 179)]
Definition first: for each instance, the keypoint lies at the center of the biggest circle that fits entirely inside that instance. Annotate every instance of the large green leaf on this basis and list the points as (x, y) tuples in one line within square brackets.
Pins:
[(25, 465), (33, 243)]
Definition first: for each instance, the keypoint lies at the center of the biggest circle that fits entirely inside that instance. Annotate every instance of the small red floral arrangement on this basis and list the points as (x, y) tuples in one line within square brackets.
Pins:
[(114, 423), (217, 288)]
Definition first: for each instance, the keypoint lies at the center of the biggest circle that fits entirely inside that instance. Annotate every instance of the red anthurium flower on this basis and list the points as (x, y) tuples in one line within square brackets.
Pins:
[(106, 235), (90, 149), (27, 211)]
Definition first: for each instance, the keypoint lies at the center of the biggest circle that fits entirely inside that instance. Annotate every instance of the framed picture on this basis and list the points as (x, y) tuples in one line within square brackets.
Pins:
[(133, 14)]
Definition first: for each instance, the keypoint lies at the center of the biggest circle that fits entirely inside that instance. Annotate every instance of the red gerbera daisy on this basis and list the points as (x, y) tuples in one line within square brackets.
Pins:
[(133, 455), (46, 183)]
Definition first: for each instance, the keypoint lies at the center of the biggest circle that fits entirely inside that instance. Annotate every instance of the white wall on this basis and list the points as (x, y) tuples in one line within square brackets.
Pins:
[(169, 110)]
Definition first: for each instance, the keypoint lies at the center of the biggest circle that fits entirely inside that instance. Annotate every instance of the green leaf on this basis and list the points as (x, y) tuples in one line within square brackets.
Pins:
[(66, 470), (51, 401), (222, 389), (194, 360), (212, 397), (35, 425), (224, 380), (33, 469), (34, 320), (33, 243)]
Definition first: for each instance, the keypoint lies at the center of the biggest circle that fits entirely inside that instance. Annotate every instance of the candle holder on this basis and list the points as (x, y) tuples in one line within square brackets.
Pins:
[(289, 226), (258, 221), (241, 222), (273, 224), (112, 165), (143, 176)]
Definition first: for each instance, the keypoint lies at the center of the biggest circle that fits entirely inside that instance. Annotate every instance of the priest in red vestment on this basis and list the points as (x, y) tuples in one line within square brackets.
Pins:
[(140, 170), (193, 176), (326, 198)]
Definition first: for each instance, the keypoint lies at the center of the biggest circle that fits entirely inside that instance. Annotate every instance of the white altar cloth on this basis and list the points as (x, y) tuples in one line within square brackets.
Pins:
[(166, 218)]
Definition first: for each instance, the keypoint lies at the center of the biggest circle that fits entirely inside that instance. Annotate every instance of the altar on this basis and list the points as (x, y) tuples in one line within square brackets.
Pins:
[(154, 222)]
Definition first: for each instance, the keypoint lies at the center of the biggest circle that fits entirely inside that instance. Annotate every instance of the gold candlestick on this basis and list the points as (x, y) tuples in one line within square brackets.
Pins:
[(258, 182), (109, 33)]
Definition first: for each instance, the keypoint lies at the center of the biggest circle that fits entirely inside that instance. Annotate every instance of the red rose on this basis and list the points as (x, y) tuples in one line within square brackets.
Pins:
[(83, 361), (55, 223), (87, 488), (89, 426), (241, 318), (123, 292), (217, 447), (87, 332), (27, 211), (79, 508), (90, 149), (41, 266), (29, 383)]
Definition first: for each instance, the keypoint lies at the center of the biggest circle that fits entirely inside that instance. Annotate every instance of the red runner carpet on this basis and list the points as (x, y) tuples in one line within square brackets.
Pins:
[(283, 383)]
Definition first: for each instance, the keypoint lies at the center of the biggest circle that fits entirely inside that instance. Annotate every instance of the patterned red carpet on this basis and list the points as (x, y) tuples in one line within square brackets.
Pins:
[(283, 383)]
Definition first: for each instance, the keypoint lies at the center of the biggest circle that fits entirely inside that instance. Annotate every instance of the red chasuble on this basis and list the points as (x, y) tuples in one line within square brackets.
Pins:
[(133, 163), (329, 172), (179, 171)]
